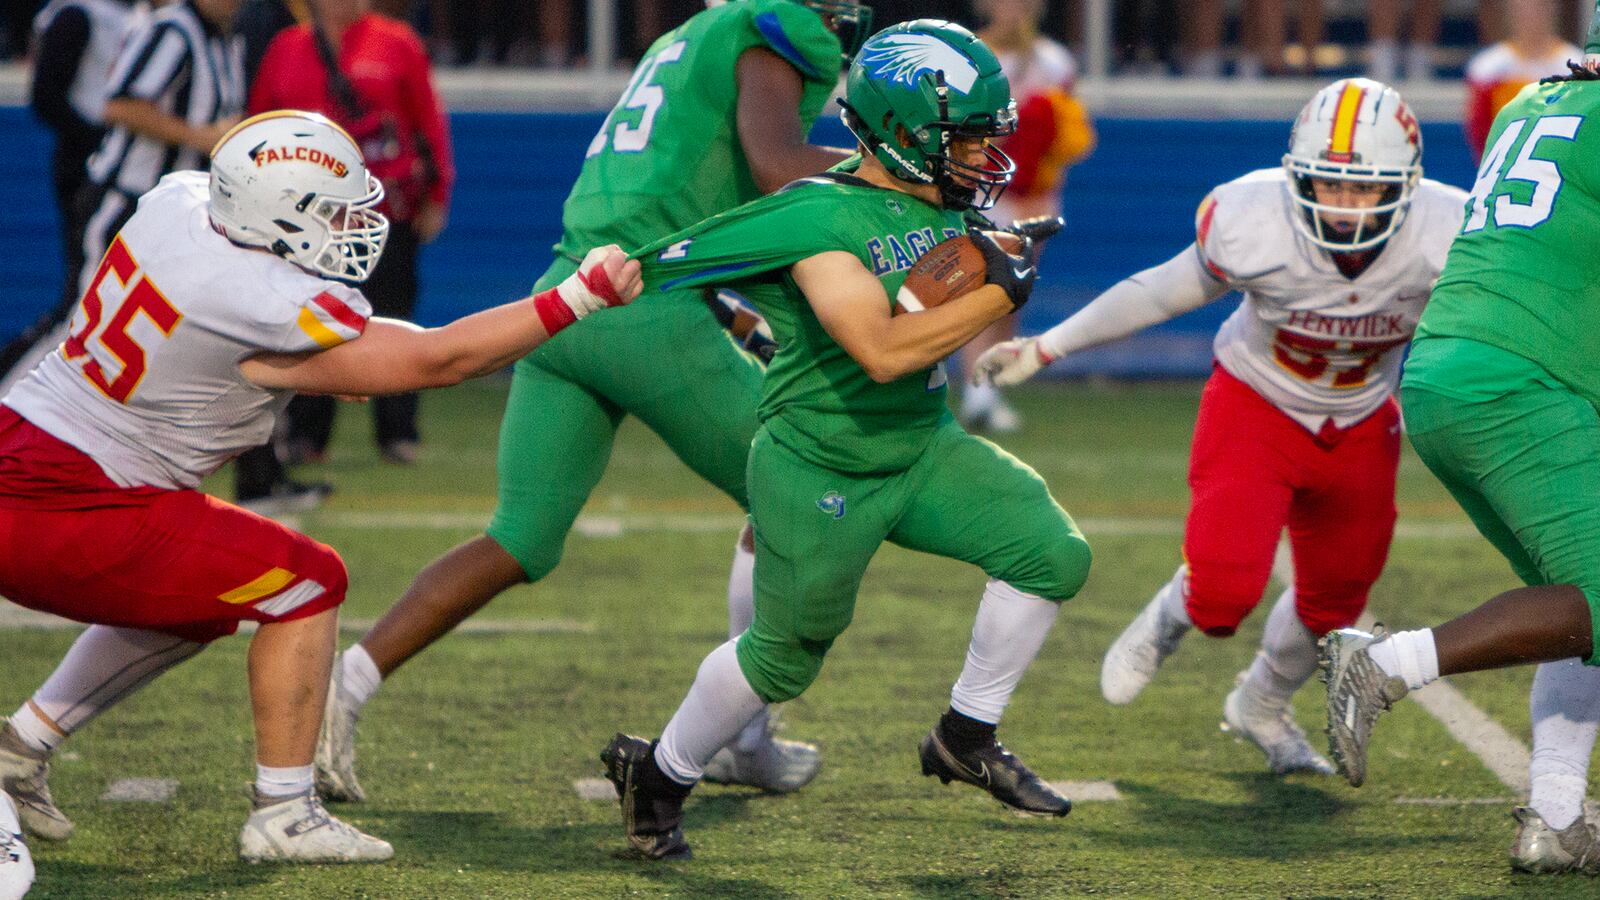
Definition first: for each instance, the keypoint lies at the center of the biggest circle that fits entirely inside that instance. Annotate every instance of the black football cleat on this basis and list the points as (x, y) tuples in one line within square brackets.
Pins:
[(652, 811), (996, 770)]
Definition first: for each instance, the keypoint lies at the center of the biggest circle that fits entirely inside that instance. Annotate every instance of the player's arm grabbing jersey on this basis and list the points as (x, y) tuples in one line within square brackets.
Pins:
[(148, 381), (669, 153), (1315, 343), (186, 345), (818, 399)]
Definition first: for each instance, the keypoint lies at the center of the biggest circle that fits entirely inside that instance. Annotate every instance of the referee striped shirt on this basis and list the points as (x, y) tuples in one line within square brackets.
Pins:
[(187, 68)]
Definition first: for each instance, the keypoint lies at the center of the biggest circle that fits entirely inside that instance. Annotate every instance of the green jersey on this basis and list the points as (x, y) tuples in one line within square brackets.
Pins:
[(669, 155), (817, 400), (1523, 275)]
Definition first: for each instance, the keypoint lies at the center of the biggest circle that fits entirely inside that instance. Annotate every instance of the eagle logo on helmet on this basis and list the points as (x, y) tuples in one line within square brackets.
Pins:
[(904, 57)]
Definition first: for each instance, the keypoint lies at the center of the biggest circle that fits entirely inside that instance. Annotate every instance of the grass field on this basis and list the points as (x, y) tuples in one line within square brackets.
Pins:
[(470, 753)]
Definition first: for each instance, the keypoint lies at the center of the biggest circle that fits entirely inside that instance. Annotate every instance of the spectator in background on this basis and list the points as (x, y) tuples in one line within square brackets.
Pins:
[(1532, 51), (176, 88), (1383, 31), (369, 73), (1053, 132), (259, 21), (1264, 24), (76, 46)]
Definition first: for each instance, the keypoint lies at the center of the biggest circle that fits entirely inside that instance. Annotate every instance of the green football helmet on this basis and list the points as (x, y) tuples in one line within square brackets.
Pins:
[(915, 88), (851, 21)]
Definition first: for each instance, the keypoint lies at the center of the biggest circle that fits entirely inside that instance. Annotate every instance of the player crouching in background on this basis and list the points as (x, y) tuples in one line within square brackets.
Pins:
[(1335, 253), (213, 306)]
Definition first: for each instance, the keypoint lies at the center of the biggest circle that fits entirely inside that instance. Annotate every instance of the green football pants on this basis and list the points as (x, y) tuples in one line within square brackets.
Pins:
[(816, 529), (1519, 451), (663, 359)]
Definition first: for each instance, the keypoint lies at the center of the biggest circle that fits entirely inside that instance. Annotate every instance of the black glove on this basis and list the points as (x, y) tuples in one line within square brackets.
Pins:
[(1037, 228), (1013, 274)]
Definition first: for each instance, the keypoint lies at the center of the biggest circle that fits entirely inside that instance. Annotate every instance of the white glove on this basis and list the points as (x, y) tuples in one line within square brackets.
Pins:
[(600, 281), (1011, 362)]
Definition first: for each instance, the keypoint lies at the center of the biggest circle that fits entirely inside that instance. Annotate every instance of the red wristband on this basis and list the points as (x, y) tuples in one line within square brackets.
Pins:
[(553, 311)]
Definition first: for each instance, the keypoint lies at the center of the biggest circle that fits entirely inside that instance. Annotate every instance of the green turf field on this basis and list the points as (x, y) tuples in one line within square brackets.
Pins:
[(470, 753)]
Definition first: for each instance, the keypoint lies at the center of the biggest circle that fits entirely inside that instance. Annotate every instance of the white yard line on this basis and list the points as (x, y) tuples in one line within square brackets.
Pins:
[(610, 526), (1500, 752), (18, 618)]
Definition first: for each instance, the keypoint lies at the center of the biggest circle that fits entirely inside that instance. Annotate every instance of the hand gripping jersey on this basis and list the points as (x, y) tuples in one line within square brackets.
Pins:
[(668, 155), (1524, 276), (1318, 345), (817, 400), (147, 382)]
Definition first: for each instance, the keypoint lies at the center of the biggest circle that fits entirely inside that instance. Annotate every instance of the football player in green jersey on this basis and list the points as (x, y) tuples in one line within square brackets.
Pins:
[(716, 114), (856, 444), (1502, 402)]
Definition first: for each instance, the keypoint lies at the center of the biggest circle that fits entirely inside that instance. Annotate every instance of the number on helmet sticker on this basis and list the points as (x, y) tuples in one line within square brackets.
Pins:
[(641, 94), (1543, 174)]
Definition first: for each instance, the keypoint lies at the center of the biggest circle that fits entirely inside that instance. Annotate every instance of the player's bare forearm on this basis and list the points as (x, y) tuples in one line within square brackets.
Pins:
[(851, 305), (392, 357), (770, 131)]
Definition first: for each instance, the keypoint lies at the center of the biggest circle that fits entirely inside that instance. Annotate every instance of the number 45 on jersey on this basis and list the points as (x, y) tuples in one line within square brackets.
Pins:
[(1544, 176)]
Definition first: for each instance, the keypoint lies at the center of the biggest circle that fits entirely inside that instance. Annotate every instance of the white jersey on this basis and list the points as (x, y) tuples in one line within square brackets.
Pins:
[(147, 382), (1316, 344)]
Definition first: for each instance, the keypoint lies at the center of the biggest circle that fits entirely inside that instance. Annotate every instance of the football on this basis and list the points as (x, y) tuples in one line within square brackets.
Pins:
[(952, 268)]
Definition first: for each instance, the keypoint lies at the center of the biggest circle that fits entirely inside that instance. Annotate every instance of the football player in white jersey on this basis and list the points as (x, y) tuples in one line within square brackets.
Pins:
[(1335, 253), (217, 301), (16, 864)]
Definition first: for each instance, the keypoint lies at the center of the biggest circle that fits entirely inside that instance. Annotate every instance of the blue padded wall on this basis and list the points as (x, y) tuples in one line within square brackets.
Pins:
[(1128, 206)]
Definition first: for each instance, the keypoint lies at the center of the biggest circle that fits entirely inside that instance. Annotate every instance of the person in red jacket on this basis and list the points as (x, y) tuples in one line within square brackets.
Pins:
[(383, 95), (1533, 50)]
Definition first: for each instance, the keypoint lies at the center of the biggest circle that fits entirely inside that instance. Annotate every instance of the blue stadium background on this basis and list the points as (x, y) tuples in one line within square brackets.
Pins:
[(1129, 206)]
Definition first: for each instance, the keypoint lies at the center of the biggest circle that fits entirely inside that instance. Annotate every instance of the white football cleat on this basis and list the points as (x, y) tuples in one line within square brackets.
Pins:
[(1358, 692), (24, 774), (1137, 653), (298, 829), (772, 765), (336, 745), (1542, 850), (1274, 731), (16, 863)]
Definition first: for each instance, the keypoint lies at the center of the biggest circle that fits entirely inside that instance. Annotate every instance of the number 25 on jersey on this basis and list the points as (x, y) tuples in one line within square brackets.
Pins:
[(113, 346)]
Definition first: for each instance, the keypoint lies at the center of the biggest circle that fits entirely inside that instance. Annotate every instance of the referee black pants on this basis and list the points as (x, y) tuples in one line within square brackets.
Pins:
[(392, 290)]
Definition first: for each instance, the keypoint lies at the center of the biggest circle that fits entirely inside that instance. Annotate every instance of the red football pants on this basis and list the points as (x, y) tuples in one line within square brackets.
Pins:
[(1253, 471), (75, 544)]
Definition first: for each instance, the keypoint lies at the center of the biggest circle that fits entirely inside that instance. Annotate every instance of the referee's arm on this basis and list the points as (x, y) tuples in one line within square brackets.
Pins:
[(143, 74)]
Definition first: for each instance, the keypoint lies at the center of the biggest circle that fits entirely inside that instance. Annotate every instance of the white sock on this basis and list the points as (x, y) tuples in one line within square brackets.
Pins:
[(359, 675), (741, 589), (1174, 595), (741, 612), (1409, 655), (105, 665), (1010, 628), (1565, 707), (286, 781), (36, 731), (979, 398), (719, 705), (1288, 655)]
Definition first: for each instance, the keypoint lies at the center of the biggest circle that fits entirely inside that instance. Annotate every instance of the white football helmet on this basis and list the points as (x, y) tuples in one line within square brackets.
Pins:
[(295, 183), (1355, 129)]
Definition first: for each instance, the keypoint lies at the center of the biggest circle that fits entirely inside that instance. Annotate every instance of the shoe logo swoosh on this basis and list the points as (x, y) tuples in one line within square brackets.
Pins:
[(981, 773), (1022, 273)]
